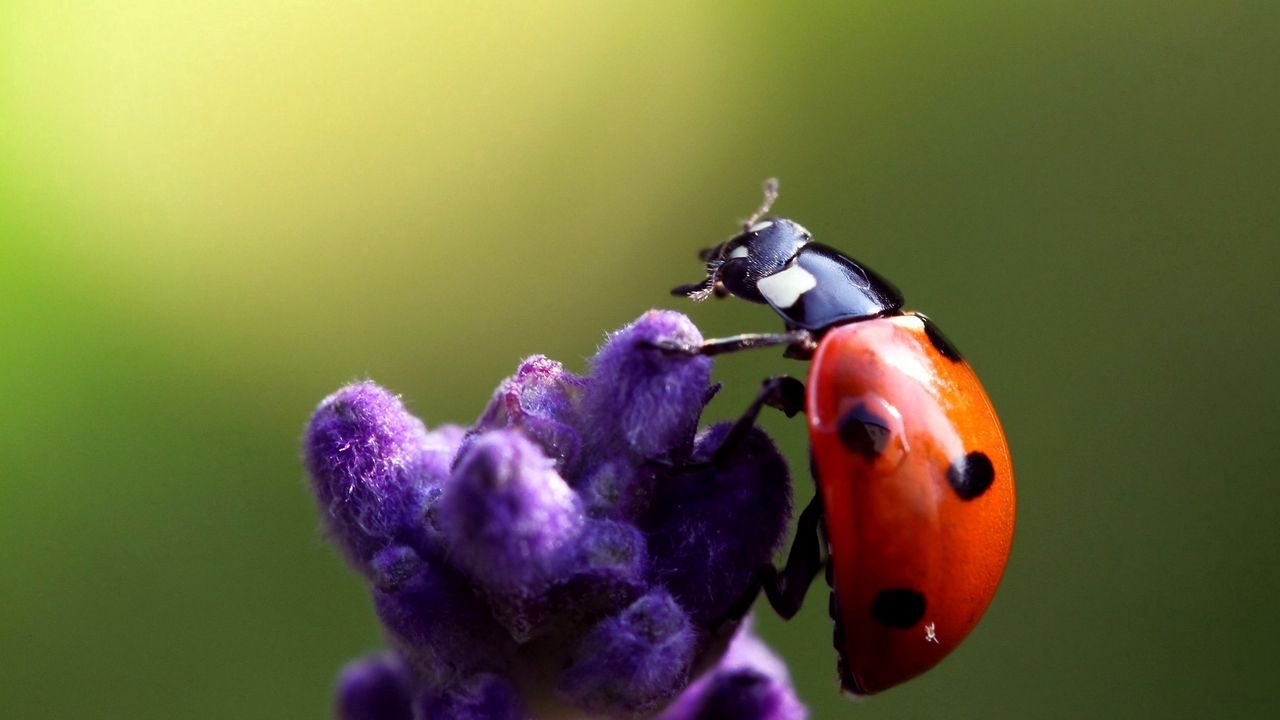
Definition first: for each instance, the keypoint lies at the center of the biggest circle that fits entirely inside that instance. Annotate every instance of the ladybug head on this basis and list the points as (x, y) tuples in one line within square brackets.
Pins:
[(764, 248), (775, 261)]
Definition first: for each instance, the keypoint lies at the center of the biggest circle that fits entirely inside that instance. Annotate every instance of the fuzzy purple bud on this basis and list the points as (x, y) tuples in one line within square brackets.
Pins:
[(633, 663), (435, 618), (619, 490), (607, 571), (508, 515), (749, 683), (372, 464), (641, 398), (604, 569), (718, 523), (542, 400), (375, 687), (480, 697)]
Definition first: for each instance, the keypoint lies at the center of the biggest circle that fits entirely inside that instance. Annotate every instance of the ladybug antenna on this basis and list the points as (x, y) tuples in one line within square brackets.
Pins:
[(770, 196), (700, 291)]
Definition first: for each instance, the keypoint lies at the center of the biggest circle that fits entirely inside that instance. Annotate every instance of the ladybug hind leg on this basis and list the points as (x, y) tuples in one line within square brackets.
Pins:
[(786, 588)]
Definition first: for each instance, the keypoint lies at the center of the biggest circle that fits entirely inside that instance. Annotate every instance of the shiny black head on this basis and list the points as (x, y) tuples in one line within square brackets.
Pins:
[(812, 286), (735, 266)]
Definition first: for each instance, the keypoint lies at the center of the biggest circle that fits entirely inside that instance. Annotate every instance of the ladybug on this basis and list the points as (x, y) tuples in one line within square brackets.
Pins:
[(914, 511)]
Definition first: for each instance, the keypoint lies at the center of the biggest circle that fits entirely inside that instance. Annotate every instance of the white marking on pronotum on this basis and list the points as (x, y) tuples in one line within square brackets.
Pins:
[(803, 231), (739, 252), (760, 226), (784, 288)]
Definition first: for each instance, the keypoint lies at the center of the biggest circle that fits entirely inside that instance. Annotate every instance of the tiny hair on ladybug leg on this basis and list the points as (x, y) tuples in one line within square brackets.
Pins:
[(734, 343), (782, 392), (786, 588)]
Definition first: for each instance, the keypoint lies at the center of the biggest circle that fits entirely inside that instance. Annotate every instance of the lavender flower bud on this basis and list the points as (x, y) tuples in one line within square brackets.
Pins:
[(541, 399), (641, 399), (716, 524), (633, 663), (372, 464), (749, 683), (375, 687), (619, 490), (435, 619), (508, 515), (600, 572), (607, 571), (479, 697)]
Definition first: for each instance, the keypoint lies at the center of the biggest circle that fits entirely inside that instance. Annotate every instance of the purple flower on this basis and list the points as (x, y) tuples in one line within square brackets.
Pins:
[(509, 518), (435, 619), (542, 400), (748, 682), (645, 401), (373, 466), (479, 697), (633, 663), (581, 549), (374, 688)]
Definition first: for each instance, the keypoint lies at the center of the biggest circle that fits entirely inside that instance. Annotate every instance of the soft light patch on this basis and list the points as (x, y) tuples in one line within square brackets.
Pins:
[(784, 288)]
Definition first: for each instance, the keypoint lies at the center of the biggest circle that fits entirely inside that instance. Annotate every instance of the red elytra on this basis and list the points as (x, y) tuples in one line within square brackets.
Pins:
[(920, 531)]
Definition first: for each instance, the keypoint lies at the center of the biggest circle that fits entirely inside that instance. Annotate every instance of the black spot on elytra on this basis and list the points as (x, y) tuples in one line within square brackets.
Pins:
[(971, 475), (940, 341), (863, 432), (898, 608)]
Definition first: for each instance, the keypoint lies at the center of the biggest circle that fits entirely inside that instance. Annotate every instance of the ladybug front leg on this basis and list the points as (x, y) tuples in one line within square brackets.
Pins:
[(800, 341), (782, 392)]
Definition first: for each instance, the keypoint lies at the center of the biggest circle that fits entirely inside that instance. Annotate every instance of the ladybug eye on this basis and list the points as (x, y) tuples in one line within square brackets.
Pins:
[(737, 279)]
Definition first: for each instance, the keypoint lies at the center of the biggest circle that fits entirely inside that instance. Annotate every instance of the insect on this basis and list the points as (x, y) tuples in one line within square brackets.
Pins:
[(913, 518)]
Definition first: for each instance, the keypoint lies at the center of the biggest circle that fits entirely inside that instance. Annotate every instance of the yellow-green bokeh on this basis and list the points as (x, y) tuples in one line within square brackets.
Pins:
[(212, 214)]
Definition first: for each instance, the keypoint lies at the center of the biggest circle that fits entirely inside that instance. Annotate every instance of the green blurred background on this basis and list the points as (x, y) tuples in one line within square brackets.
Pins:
[(212, 214)]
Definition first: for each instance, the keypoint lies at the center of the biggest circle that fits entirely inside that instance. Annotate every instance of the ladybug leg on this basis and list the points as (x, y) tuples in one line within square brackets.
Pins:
[(735, 343), (782, 392), (786, 588)]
